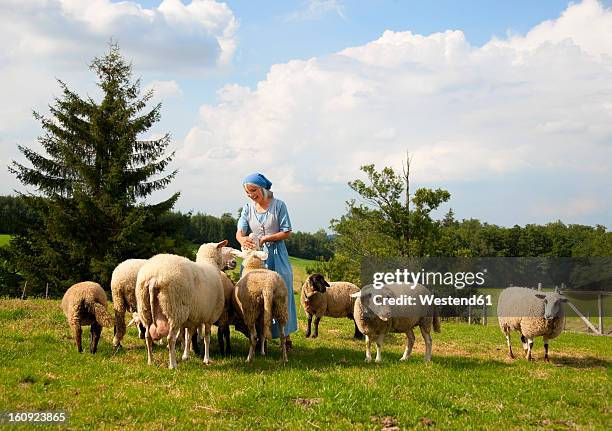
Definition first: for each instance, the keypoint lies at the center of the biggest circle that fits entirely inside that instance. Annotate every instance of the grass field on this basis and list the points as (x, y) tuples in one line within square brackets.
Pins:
[(326, 385)]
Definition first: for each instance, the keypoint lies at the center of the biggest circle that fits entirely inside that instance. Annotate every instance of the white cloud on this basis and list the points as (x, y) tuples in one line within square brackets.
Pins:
[(530, 105), (164, 89), (315, 9)]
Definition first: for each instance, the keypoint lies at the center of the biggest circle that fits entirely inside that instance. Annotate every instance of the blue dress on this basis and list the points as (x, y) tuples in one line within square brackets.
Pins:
[(274, 220)]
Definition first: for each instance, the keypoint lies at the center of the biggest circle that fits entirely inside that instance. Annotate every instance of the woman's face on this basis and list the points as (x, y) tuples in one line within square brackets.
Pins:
[(254, 193)]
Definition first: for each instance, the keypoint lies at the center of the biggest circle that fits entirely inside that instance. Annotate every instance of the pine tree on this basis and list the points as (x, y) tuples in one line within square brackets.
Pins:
[(92, 181)]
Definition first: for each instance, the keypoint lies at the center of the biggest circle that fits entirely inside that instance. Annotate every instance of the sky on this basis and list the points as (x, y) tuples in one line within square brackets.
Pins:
[(505, 104)]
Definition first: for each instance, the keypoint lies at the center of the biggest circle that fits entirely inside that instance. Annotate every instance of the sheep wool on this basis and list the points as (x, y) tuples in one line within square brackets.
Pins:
[(173, 293), (85, 304), (533, 314), (123, 290)]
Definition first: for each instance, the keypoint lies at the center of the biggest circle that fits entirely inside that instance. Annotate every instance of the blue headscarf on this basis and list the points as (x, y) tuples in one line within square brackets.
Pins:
[(257, 179)]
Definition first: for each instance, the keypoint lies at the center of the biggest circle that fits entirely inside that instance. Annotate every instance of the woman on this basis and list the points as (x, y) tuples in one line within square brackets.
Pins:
[(267, 218)]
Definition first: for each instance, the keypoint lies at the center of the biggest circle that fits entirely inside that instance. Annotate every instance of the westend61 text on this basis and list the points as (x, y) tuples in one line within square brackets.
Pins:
[(474, 300)]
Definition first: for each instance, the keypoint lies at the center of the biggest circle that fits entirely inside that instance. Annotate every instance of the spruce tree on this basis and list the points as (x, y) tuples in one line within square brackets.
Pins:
[(91, 181)]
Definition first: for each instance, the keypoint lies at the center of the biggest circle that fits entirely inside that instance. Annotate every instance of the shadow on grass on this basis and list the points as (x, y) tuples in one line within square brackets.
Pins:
[(581, 362)]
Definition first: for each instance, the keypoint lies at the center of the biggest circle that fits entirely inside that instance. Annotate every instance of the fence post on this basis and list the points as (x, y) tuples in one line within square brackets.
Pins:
[(600, 312), (540, 286), (469, 314), (484, 314), (24, 290), (47, 291)]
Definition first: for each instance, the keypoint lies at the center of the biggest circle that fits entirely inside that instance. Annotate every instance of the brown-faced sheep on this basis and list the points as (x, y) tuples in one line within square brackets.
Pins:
[(173, 293), (85, 304), (260, 296), (320, 298), (377, 312), (533, 314)]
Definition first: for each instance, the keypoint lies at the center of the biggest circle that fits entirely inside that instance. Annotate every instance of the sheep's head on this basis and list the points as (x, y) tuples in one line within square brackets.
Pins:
[(371, 302), (228, 259), (552, 304), (211, 253), (315, 283), (252, 259)]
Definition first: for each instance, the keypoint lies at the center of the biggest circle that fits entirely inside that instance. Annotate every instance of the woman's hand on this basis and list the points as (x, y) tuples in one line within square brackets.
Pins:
[(247, 242)]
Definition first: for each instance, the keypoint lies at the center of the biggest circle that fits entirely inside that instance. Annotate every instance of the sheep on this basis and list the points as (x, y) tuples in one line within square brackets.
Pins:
[(123, 290), (320, 298), (533, 314), (85, 304), (208, 253), (261, 295), (173, 293), (375, 318)]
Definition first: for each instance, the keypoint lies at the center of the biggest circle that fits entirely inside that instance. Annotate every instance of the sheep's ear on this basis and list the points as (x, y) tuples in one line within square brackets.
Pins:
[(539, 295), (261, 255), (356, 294), (222, 243)]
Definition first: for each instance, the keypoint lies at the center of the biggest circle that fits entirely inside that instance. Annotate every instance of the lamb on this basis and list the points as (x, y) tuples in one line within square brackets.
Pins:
[(533, 314), (320, 298), (85, 304), (123, 289), (375, 317), (208, 253), (260, 296), (173, 293)]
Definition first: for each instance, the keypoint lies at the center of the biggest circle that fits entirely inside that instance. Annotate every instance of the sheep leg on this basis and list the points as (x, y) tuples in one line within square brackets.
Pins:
[(188, 334), (509, 342), (283, 341), (316, 324), (379, 343), (94, 336), (226, 334), (149, 342), (409, 345), (173, 334), (253, 337), (368, 357), (307, 334), (428, 343), (357, 335), (525, 345), (76, 329), (546, 350), (207, 331), (119, 327), (529, 348), (220, 339)]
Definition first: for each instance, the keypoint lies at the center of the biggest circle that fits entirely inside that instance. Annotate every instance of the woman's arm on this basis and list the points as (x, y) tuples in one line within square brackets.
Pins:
[(279, 236)]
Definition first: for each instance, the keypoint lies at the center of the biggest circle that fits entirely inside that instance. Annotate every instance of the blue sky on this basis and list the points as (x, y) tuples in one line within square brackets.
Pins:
[(506, 104)]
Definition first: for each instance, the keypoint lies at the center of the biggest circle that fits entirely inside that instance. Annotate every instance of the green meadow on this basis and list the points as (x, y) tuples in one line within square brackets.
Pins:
[(470, 384)]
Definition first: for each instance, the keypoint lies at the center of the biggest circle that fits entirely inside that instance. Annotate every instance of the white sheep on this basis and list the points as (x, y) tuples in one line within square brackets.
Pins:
[(173, 293), (261, 294), (375, 318), (533, 314), (229, 316), (123, 290), (320, 298), (85, 304)]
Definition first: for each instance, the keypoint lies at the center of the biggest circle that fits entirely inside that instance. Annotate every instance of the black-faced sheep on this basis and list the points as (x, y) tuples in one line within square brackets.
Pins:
[(85, 304), (533, 314), (320, 298)]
